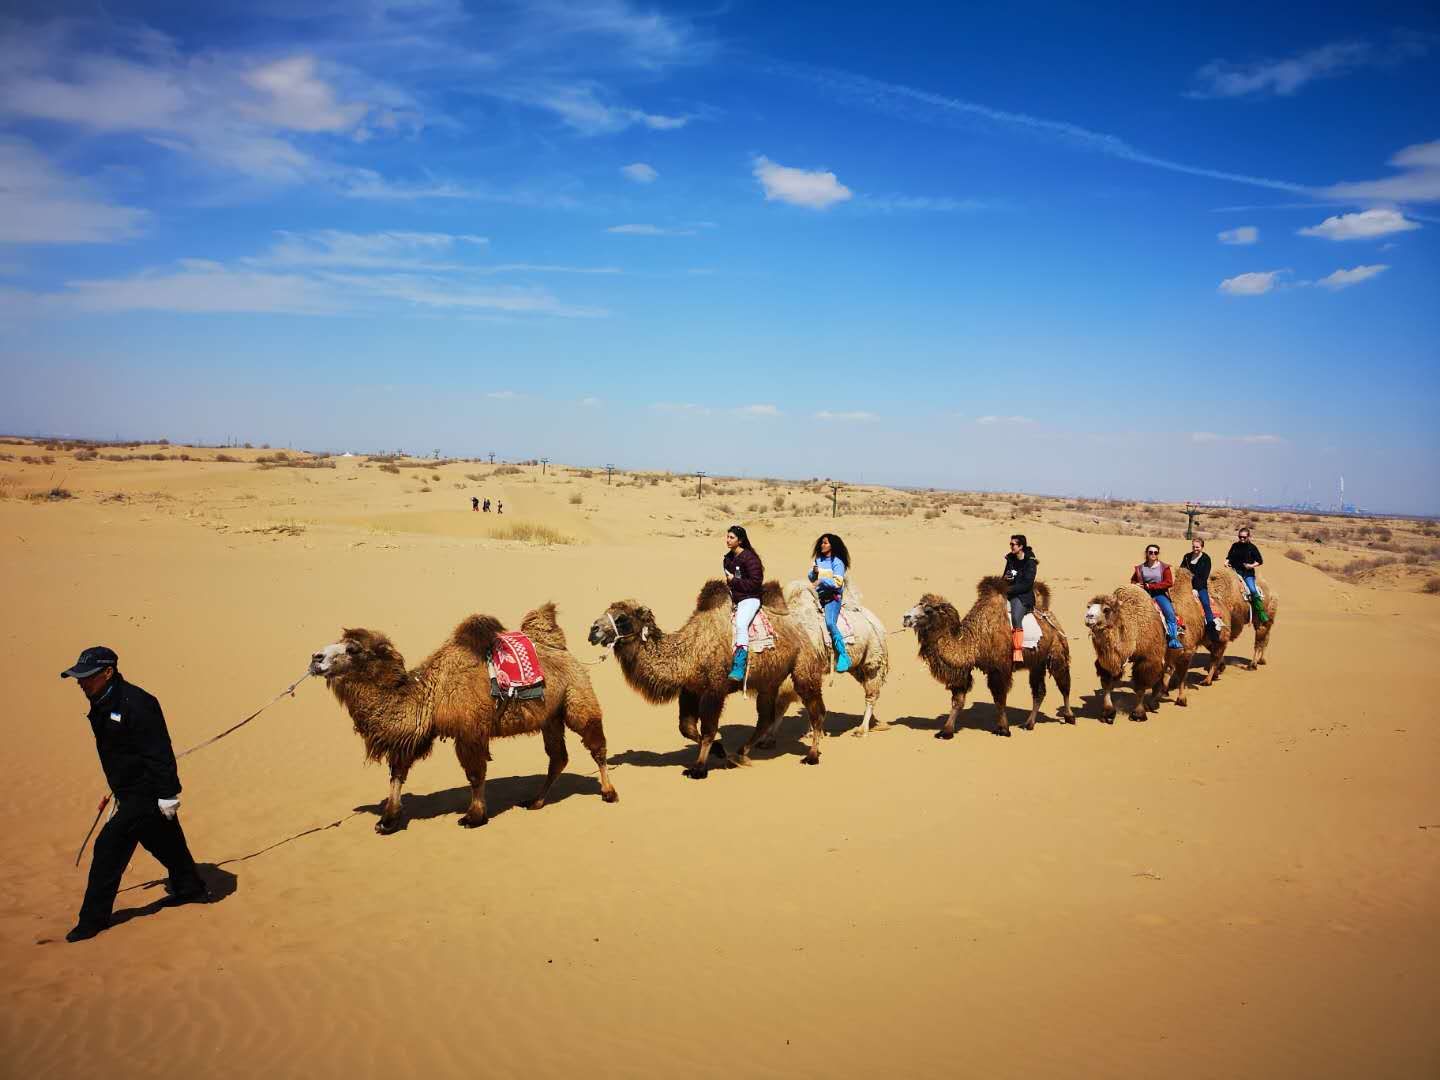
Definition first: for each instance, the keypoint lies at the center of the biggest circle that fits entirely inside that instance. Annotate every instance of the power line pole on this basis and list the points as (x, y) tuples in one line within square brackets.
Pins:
[(609, 469), (1192, 514), (544, 461), (834, 500), (492, 457), (700, 489)]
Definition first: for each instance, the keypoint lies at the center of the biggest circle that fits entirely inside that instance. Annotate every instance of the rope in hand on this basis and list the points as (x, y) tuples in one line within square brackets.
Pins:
[(290, 690)]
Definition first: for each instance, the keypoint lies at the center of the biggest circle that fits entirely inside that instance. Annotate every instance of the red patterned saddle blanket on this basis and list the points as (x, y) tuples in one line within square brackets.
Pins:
[(762, 633), (515, 670)]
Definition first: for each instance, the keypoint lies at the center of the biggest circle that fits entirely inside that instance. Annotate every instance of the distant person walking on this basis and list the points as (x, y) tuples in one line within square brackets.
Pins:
[(1156, 578), (499, 507), (745, 574), (830, 562), (474, 504), (1198, 563), (1244, 558), (134, 748), (487, 506), (1020, 567)]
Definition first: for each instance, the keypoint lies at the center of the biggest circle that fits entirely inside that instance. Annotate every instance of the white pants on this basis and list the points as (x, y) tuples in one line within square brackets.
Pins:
[(745, 612)]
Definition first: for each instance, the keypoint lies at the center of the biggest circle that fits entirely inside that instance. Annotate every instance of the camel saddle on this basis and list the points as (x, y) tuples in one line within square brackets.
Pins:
[(762, 633), (1179, 619), (515, 671)]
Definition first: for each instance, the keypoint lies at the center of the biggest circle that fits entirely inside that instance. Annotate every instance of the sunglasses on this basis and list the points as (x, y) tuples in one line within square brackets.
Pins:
[(1153, 551)]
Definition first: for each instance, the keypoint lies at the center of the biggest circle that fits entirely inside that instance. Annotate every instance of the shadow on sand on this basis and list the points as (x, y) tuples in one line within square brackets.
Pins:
[(221, 883), (501, 795)]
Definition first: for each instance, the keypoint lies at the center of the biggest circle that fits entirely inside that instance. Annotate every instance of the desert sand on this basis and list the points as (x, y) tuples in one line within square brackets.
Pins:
[(1246, 887)]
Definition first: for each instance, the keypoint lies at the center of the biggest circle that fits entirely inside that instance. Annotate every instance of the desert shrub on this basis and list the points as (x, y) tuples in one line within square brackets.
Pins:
[(1358, 566), (576, 499), (474, 477), (778, 502), (225, 457), (390, 468), (425, 490), (932, 514), (54, 494), (435, 476), (1432, 586), (529, 533), (1295, 554), (87, 454), (507, 470)]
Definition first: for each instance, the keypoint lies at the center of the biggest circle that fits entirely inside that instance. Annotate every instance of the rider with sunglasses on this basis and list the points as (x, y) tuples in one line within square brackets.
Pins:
[(1156, 578)]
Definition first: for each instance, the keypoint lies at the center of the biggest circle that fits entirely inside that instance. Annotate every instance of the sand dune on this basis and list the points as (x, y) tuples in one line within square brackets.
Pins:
[(1247, 887)]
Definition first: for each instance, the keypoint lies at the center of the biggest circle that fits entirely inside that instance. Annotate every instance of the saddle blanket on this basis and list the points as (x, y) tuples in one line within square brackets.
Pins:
[(1031, 630), (1179, 622), (515, 670), (762, 633)]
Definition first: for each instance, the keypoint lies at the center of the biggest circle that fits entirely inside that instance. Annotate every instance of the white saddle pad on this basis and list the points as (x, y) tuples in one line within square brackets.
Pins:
[(1030, 628)]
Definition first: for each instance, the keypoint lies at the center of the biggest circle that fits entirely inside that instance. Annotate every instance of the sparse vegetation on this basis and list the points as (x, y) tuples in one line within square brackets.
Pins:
[(576, 499), (1431, 586), (507, 470), (1295, 554), (529, 533)]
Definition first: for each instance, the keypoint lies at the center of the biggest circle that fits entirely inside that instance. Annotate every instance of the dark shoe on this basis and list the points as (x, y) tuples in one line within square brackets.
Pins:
[(204, 896), (83, 932)]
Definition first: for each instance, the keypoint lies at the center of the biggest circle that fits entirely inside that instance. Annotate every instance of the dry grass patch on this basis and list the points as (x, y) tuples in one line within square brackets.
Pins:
[(529, 533)]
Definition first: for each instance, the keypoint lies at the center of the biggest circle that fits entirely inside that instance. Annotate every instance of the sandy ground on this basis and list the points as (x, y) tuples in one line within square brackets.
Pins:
[(1247, 887)]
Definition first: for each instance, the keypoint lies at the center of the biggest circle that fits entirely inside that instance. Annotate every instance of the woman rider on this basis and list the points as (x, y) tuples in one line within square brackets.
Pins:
[(745, 574), (1198, 563), (1156, 578), (831, 560), (1020, 567), (1245, 559)]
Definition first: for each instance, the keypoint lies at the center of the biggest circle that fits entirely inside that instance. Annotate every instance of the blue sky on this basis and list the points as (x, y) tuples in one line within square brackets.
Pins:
[(1046, 249)]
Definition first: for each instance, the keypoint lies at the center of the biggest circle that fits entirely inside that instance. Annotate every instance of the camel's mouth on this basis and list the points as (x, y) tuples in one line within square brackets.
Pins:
[(597, 636), (1094, 615), (911, 619), (323, 662)]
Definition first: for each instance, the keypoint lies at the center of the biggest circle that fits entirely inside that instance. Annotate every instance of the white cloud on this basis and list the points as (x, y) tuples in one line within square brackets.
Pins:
[(1252, 284), (503, 395), (203, 286), (685, 407), (367, 251), (580, 106), (816, 190), (648, 230), (640, 172), (1244, 234), (39, 204), (1362, 225), (1003, 420), (1419, 179), (591, 402), (292, 96), (856, 416), (1343, 279), (1222, 79), (758, 410), (1254, 440)]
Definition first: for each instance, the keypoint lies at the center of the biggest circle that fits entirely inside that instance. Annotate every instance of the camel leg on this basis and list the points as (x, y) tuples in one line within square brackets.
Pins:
[(1262, 638), (582, 716), (474, 759), (554, 735), (1217, 661), (1060, 672), (1037, 692), (815, 706), (710, 709), (1107, 683), (957, 706), (689, 715), (1145, 677), (872, 696), (999, 683), (1180, 682), (392, 817), (764, 725)]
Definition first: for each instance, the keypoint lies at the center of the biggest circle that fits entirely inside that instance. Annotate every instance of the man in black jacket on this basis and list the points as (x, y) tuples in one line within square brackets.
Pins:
[(1245, 559), (134, 749)]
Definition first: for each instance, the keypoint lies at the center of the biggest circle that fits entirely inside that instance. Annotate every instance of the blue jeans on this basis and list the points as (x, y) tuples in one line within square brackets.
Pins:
[(832, 616), (1018, 608), (1251, 587), (1205, 603), (1168, 609)]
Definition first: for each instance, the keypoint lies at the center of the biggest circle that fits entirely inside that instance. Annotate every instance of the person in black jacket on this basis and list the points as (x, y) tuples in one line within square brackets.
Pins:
[(1198, 563), (1020, 566), (139, 765), (745, 574), (1244, 558)]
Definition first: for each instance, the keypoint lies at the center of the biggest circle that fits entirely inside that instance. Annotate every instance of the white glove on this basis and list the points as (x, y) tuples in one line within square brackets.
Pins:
[(168, 807)]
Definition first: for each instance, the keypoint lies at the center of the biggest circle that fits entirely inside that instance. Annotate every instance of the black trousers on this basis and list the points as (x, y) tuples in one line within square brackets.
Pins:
[(138, 821)]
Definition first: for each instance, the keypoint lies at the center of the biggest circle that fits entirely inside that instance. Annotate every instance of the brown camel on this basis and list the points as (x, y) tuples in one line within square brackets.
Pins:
[(1126, 628), (693, 664), (1192, 618), (869, 654), (399, 714), (953, 647), (1227, 596)]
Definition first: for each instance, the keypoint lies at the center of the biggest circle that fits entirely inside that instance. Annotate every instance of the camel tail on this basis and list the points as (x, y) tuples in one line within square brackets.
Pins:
[(540, 626), (477, 634)]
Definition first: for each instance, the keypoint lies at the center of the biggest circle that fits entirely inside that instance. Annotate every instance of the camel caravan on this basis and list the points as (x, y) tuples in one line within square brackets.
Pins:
[(749, 635)]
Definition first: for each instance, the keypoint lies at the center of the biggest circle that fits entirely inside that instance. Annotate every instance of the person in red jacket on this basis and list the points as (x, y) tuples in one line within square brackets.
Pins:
[(1156, 578)]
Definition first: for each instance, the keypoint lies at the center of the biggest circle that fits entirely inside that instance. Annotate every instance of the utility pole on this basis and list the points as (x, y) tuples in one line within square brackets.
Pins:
[(1192, 514), (700, 489), (544, 461), (834, 500), (492, 457), (608, 470)]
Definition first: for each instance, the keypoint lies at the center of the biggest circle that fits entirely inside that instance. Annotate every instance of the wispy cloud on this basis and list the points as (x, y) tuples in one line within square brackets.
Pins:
[(1418, 181), (814, 189), (922, 203), (1243, 234), (758, 410), (371, 251), (1343, 279), (685, 407), (640, 172), (1361, 226), (1255, 283), (581, 107), (649, 230), (923, 105), (1003, 420), (1254, 440), (591, 402), (1286, 76), (504, 395), (854, 416), (40, 204)]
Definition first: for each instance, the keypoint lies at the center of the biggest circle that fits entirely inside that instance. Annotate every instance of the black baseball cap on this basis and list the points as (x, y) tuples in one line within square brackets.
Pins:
[(93, 659)]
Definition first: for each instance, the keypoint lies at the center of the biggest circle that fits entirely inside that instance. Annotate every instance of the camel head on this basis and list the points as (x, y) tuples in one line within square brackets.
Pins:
[(1102, 613), (356, 652), (622, 619), (930, 612)]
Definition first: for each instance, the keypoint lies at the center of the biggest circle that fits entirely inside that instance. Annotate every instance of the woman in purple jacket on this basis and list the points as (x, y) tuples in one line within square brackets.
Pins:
[(745, 573)]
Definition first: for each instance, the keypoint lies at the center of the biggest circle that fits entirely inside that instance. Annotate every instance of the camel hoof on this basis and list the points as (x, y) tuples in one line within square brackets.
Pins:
[(1068, 716), (386, 826), (468, 822), (765, 744), (696, 773), (944, 734), (812, 758), (1029, 725), (1003, 732), (610, 796), (536, 805), (1182, 703), (1139, 718), (718, 749)]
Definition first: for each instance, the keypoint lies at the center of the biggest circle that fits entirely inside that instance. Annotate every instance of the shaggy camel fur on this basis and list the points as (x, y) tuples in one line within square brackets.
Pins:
[(1227, 595), (1126, 628), (693, 664), (869, 655), (953, 647), (1192, 617), (399, 714)]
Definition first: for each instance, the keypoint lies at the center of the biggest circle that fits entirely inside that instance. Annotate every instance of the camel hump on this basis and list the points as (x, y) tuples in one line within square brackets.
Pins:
[(994, 585), (712, 594), (773, 597), (1042, 596), (540, 626), (478, 633)]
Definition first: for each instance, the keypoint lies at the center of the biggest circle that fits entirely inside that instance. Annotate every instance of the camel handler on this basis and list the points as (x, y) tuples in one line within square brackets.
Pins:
[(134, 749)]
